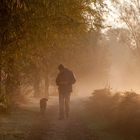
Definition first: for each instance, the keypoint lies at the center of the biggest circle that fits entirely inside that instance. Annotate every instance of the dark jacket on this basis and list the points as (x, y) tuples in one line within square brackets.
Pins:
[(65, 80)]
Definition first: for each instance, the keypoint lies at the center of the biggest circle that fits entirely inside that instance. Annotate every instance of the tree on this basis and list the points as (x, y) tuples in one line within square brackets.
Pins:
[(60, 23), (34, 32), (11, 32), (129, 15)]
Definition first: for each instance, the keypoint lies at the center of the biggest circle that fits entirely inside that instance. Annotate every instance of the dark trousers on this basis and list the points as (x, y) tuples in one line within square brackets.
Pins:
[(64, 104)]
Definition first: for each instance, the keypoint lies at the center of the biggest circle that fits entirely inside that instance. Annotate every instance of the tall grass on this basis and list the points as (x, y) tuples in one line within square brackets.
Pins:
[(120, 110)]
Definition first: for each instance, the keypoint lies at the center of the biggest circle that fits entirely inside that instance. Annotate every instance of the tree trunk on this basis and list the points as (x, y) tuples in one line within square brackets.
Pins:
[(12, 82), (0, 72), (1, 50), (10, 77), (36, 82), (36, 88), (46, 86)]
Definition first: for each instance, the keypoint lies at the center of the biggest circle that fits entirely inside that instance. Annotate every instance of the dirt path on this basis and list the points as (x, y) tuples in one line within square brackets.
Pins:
[(26, 123), (74, 128)]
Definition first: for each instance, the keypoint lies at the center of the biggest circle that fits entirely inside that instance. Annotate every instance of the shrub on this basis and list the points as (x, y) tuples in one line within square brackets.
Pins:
[(121, 110)]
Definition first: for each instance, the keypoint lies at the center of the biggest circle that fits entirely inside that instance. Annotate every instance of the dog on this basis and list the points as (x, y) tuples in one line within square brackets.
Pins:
[(43, 105)]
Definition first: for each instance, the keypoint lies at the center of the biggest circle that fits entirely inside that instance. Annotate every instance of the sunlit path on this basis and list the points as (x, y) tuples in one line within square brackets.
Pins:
[(50, 127)]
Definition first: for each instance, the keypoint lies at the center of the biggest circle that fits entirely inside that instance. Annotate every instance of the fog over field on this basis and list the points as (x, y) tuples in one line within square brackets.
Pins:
[(69, 69)]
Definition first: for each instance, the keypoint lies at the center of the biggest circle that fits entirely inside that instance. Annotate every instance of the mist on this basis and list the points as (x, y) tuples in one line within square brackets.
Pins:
[(69, 69)]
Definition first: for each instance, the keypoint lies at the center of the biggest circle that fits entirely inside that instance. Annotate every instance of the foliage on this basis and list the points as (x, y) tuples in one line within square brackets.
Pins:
[(129, 12), (120, 110), (34, 35)]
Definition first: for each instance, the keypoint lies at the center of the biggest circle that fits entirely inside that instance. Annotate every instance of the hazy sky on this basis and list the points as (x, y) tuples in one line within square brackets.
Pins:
[(112, 18)]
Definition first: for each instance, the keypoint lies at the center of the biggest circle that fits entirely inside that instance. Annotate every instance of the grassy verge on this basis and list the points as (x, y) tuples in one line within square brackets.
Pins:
[(114, 116)]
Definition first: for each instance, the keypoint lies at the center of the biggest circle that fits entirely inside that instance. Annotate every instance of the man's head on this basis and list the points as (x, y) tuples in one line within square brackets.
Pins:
[(61, 67)]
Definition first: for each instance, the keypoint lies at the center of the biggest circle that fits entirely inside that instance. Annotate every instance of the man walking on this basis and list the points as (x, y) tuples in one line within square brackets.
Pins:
[(65, 79)]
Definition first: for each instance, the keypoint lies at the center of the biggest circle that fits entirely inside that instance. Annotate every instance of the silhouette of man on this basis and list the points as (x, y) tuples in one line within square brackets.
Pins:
[(65, 79)]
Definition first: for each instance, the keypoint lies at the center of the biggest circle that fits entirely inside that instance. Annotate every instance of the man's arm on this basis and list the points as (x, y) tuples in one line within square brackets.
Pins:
[(73, 80)]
